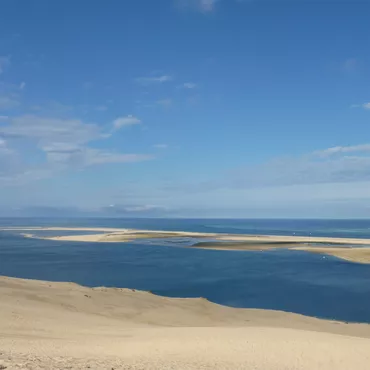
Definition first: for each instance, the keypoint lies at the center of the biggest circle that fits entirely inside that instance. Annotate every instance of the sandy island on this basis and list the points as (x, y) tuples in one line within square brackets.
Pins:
[(45, 325), (348, 253), (352, 249)]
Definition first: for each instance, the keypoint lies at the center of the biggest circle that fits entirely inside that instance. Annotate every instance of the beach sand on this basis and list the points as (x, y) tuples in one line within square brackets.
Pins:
[(105, 235), (352, 254), (349, 251), (45, 325), (359, 255), (119, 235)]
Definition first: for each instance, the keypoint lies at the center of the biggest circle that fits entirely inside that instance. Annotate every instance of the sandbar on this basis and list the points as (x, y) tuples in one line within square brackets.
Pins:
[(353, 249), (346, 252), (48, 325)]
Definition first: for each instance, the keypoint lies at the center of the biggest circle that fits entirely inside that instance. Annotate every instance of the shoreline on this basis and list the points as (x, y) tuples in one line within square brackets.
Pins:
[(350, 250), (105, 233), (64, 324), (350, 254)]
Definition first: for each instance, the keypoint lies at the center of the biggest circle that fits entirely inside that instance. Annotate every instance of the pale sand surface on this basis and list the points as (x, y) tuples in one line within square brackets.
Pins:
[(135, 233), (293, 239), (46, 325), (114, 235), (359, 255), (119, 231)]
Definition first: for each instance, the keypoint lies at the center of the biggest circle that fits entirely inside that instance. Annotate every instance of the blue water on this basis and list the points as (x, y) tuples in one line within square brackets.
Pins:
[(284, 280)]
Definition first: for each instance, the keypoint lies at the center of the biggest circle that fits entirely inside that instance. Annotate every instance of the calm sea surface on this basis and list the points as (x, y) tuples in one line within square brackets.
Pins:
[(283, 280)]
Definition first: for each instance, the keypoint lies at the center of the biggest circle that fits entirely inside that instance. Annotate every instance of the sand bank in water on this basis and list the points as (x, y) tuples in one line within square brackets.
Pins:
[(229, 241), (47, 325), (349, 253), (106, 235)]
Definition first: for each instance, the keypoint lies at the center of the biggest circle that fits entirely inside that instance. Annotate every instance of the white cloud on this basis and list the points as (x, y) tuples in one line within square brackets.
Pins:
[(332, 165), (350, 65), (101, 157), (88, 85), (364, 106), (22, 85), (204, 6), (161, 146), (329, 166), (125, 121), (65, 144), (43, 130), (189, 85), (139, 209), (9, 160), (8, 102), (164, 102), (101, 108), (344, 149), (143, 208), (4, 63), (2, 143), (207, 5), (84, 156), (155, 79), (4, 118)]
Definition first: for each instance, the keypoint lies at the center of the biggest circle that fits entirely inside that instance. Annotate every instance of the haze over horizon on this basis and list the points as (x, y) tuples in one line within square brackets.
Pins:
[(185, 108)]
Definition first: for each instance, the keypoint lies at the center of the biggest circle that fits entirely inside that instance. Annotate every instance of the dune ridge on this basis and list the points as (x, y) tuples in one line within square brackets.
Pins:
[(48, 325)]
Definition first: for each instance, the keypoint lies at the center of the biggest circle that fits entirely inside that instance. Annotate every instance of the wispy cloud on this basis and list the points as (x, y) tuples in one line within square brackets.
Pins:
[(344, 149), (88, 85), (137, 209), (125, 121), (65, 144), (22, 85), (43, 130), (53, 109), (8, 102), (101, 108), (207, 5), (164, 102), (339, 164), (9, 161), (4, 63), (204, 6), (364, 106), (160, 146), (154, 79), (84, 156), (350, 65), (189, 85), (336, 165)]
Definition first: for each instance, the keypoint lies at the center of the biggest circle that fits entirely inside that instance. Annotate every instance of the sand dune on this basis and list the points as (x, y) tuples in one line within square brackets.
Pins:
[(47, 325)]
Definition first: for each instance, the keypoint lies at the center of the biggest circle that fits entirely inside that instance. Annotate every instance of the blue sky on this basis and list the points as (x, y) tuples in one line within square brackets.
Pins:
[(185, 108)]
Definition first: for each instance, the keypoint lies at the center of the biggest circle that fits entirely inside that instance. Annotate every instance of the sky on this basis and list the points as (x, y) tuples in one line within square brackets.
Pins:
[(185, 108)]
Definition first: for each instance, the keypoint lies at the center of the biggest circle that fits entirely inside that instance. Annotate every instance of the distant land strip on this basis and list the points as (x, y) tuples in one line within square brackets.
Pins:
[(350, 249)]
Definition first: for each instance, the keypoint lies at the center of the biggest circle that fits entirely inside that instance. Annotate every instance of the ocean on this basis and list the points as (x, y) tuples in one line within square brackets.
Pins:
[(284, 280)]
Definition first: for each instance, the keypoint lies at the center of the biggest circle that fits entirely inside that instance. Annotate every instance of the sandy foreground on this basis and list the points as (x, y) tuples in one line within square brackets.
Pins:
[(352, 249), (46, 325)]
